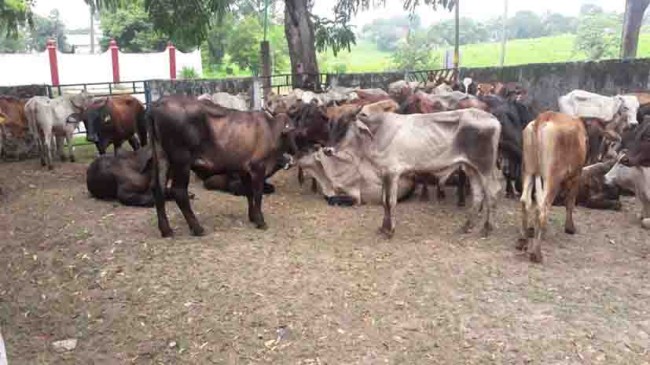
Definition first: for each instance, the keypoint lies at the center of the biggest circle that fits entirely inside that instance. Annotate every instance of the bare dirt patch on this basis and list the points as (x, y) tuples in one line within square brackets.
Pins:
[(319, 286)]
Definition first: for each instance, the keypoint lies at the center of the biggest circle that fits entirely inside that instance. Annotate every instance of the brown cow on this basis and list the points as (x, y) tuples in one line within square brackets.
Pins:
[(113, 120), (191, 135), (15, 129), (555, 150)]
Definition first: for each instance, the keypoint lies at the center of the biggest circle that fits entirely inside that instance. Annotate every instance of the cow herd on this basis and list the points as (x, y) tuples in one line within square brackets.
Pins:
[(360, 146)]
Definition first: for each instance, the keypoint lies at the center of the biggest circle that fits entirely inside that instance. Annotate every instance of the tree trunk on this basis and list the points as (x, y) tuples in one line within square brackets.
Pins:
[(299, 31), (632, 22)]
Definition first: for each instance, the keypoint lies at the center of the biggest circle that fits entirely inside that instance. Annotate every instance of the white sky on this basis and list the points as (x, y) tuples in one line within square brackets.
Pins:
[(74, 13)]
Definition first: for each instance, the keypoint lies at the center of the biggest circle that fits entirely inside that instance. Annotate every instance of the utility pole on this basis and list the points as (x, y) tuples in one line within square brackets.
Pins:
[(265, 54), (92, 29), (456, 47), (504, 33)]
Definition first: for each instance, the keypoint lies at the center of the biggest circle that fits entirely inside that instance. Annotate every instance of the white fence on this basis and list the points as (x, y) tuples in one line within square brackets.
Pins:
[(34, 68)]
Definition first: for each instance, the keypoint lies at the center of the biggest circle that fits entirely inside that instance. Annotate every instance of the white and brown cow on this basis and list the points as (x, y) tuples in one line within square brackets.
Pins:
[(50, 118), (555, 150), (435, 144)]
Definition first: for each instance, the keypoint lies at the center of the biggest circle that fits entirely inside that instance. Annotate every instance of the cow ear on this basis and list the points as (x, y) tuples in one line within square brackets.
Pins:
[(364, 128)]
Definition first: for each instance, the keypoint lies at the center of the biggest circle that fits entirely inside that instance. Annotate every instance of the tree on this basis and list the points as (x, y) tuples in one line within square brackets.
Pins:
[(525, 24), (131, 28), (555, 23), (444, 33), (48, 28), (634, 10), (416, 52), (15, 14), (15, 43), (598, 35), (387, 32)]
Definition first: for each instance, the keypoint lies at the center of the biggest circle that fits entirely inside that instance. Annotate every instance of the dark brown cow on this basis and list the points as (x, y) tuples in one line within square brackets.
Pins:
[(555, 150), (637, 144), (191, 135), (114, 120)]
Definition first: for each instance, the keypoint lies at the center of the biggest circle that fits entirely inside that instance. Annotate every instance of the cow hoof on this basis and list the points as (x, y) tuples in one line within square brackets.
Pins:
[(510, 195), (261, 226), (64, 159), (43, 163), (522, 244), (72, 159), (570, 230), (198, 232), (50, 167), (536, 257), (467, 227), (487, 228), (530, 232), (387, 232), (167, 233)]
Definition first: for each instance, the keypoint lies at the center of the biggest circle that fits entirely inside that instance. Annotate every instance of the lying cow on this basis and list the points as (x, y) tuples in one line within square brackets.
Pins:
[(436, 144), (188, 134), (593, 192), (49, 118), (113, 120), (610, 109), (636, 179), (555, 149), (126, 177), (343, 173)]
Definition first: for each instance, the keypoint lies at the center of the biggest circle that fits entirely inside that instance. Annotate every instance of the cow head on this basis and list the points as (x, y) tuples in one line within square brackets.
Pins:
[(636, 146), (628, 106), (96, 117), (80, 101), (620, 175)]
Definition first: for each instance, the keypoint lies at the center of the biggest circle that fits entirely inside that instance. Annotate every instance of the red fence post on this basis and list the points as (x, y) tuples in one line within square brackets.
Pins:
[(116, 60), (172, 60), (54, 65)]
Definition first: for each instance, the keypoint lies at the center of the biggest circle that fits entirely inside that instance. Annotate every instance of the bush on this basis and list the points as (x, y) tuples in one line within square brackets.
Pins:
[(189, 73)]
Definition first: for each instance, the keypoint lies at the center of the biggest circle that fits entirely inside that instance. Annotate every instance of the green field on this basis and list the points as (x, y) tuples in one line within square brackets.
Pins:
[(365, 57)]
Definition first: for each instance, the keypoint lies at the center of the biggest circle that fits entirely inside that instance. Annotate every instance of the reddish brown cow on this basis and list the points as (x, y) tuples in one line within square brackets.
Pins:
[(114, 120), (15, 123), (555, 150)]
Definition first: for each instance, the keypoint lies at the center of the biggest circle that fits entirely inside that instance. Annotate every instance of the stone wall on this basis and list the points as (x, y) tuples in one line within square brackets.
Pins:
[(365, 80), (161, 88), (24, 91), (547, 82)]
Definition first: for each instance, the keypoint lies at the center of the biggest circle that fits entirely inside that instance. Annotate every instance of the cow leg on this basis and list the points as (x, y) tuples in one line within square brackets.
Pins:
[(424, 196), (572, 186), (545, 193), (301, 176), (47, 141), (180, 182), (257, 185), (526, 207), (314, 186), (68, 139), (116, 147), (389, 190), (247, 185), (59, 148), (134, 143), (41, 148), (510, 190), (460, 189)]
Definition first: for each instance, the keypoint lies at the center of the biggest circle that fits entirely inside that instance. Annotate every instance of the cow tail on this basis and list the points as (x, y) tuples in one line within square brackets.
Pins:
[(158, 180), (141, 126)]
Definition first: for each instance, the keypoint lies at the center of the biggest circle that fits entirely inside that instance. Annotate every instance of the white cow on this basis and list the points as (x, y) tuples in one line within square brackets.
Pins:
[(583, 104), (435, 144), (55, 118), (636, 179)]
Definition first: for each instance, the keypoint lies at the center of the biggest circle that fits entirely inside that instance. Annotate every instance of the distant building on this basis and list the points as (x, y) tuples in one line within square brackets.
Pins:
[(79, 40)]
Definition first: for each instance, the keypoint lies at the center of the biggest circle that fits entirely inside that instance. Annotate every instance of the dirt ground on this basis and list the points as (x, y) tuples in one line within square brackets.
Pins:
[(318, 287)]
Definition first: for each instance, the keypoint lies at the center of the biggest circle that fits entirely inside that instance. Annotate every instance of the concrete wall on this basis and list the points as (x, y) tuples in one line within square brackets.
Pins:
[(547, 82)]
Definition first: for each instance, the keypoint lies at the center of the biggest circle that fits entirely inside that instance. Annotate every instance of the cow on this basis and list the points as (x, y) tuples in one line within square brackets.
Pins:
[(637, 145), (610, 109), (593, 192), (636, 179), (48, 118), (192, 135), (113, 120), (436, 144), (15, 129), (555, 150), (125, 177)]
